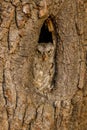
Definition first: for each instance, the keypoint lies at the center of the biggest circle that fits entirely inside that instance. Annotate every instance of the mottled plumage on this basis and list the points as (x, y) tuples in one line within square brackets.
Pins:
[(44, 67)]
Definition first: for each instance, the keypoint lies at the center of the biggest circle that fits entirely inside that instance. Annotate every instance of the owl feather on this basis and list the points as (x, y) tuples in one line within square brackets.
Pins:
[(44, 67)]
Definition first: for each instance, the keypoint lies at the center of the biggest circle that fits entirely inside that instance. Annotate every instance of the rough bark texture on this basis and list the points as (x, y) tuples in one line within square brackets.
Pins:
[(21, 107)]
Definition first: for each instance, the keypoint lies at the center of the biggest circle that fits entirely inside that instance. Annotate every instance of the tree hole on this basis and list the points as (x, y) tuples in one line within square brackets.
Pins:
[(45, 34)]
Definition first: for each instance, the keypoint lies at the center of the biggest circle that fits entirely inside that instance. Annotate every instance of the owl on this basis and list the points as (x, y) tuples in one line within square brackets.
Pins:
[(44, 67)]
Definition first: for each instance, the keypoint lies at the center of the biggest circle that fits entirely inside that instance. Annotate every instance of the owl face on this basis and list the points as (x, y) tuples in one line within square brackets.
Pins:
[(45, 50)]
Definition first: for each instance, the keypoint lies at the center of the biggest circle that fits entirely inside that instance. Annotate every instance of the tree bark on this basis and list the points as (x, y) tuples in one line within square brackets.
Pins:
[(21, 107)]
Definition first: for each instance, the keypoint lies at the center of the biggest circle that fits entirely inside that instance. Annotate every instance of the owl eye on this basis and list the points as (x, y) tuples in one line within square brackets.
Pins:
[(38, 52), (49, 52)]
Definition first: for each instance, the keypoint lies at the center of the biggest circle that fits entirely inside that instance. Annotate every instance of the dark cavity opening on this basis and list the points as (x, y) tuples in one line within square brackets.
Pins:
[(45, 35)]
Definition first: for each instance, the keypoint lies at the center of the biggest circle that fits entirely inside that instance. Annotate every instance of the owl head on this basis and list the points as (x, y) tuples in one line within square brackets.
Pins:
[(45, 50)]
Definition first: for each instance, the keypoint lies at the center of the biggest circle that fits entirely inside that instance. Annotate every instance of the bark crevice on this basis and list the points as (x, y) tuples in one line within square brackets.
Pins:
[(5, 98)]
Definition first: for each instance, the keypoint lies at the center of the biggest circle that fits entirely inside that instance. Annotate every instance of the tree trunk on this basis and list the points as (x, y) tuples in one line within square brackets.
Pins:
[(22, 22)]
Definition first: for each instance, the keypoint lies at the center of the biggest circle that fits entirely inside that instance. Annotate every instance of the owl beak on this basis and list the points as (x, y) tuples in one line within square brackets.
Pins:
[(44, 57)]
